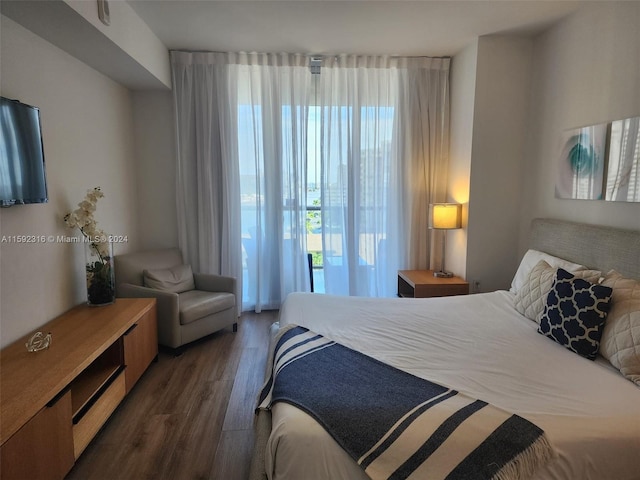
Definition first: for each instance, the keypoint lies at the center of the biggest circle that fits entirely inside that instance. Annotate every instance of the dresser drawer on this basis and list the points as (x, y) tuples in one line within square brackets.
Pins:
[(97, 415)]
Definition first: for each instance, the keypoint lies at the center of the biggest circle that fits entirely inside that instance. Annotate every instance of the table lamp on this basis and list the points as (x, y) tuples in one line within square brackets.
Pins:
[(444, 216)]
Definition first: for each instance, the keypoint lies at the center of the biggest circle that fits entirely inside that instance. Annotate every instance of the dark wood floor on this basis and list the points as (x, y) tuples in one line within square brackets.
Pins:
[(189, 417)]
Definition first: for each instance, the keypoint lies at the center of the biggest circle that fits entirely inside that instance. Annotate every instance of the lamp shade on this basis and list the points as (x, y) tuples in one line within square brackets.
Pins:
[(445, 216)]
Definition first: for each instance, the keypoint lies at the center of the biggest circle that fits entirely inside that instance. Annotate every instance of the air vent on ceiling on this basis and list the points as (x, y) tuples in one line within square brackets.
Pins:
[(314, 65)]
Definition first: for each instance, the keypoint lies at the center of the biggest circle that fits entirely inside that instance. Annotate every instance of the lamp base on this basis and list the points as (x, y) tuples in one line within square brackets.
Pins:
[(442, 274)]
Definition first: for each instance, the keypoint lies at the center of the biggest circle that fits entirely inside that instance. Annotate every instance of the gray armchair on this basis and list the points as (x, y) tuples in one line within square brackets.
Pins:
[(182, 317)]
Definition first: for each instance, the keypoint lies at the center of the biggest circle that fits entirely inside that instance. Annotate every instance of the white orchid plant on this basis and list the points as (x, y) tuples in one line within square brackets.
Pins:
[(82, 218), (100, 279)]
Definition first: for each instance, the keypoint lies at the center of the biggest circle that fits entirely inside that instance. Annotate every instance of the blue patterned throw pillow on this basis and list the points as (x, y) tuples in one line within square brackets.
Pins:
[(575, 312)]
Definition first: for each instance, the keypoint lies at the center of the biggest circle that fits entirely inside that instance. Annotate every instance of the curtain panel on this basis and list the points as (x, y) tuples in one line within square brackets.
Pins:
[(241, 164), (384, 140), (207, 186), (272, 103), (260, 139)]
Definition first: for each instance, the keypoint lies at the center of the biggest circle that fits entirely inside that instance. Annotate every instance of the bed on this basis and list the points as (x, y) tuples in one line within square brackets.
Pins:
[(588, 409)]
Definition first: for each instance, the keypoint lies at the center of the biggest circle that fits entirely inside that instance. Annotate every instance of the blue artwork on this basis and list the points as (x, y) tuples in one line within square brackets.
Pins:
[(581, 166)]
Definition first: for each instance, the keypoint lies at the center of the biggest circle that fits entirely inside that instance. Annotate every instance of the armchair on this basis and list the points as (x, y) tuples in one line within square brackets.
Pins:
[(182, 317)]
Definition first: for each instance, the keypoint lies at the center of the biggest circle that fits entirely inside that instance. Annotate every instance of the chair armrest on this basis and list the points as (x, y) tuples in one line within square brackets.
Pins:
[(214, 283), (167, 310)]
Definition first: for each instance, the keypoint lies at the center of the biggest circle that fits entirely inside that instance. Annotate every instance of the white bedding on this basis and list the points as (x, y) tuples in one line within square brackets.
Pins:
[(481, 346)]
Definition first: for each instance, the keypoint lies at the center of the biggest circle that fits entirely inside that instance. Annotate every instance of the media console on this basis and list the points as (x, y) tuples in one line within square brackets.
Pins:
[(53, 402)]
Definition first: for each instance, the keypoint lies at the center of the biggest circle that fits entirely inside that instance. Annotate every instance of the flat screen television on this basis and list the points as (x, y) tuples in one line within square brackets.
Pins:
[(22, 172)]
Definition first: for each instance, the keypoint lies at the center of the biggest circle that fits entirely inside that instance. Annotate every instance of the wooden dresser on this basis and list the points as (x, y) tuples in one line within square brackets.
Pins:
[(53, 402)]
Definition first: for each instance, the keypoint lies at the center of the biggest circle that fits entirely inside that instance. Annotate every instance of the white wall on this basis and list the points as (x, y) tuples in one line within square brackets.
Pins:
[(463, 90), (156, 168), (500, 122), (126, 50), (586, 71), (87, 135), (129, 32)]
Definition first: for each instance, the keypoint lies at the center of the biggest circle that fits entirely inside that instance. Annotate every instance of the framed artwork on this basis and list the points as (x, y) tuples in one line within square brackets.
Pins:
[(601, 162), (582, 161), (623, 166)]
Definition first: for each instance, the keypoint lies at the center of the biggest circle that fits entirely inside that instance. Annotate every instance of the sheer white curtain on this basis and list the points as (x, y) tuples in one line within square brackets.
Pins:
[(207, 180), (241, 130), (374, 130), (272, 102), (384, 156)]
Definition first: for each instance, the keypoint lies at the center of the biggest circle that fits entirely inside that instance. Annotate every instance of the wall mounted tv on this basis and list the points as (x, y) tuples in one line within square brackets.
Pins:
[(22, 172)]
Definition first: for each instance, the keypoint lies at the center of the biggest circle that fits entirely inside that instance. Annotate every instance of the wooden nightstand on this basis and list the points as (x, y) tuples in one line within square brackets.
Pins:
[(422, 283)]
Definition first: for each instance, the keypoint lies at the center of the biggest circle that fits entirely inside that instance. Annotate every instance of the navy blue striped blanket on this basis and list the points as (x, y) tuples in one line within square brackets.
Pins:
[(396, 425)]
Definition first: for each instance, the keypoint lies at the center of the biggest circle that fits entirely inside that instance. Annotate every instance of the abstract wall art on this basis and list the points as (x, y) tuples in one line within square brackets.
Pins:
[(581, 165), (601, 162)]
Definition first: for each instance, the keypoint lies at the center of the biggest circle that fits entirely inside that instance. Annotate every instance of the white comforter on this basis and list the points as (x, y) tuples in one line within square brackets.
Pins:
[(481, 346)]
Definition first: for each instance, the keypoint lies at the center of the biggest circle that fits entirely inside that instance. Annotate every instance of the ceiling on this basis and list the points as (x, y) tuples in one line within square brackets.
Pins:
[(400, 27)]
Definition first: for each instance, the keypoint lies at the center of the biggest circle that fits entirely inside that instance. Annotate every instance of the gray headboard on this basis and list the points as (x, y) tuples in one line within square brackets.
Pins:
[(602, 248)]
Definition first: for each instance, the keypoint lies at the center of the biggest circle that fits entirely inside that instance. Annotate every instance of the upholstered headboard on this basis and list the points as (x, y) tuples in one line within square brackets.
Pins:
[(598, 247)]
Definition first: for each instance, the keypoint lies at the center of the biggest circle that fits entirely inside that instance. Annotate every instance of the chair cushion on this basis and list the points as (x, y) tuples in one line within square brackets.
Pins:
[(195, 304), (129, 266), (176, 279)]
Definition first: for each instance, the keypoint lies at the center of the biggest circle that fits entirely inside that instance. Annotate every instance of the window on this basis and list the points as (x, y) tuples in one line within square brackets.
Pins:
[(332, 224), (345, 173)]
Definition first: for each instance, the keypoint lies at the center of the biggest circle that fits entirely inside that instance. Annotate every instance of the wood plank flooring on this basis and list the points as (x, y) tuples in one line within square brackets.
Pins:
[(189, 417)]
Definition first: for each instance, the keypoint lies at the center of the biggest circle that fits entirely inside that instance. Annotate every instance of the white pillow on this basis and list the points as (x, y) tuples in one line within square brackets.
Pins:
[(620, 342), (532, 296), (531, 258)]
